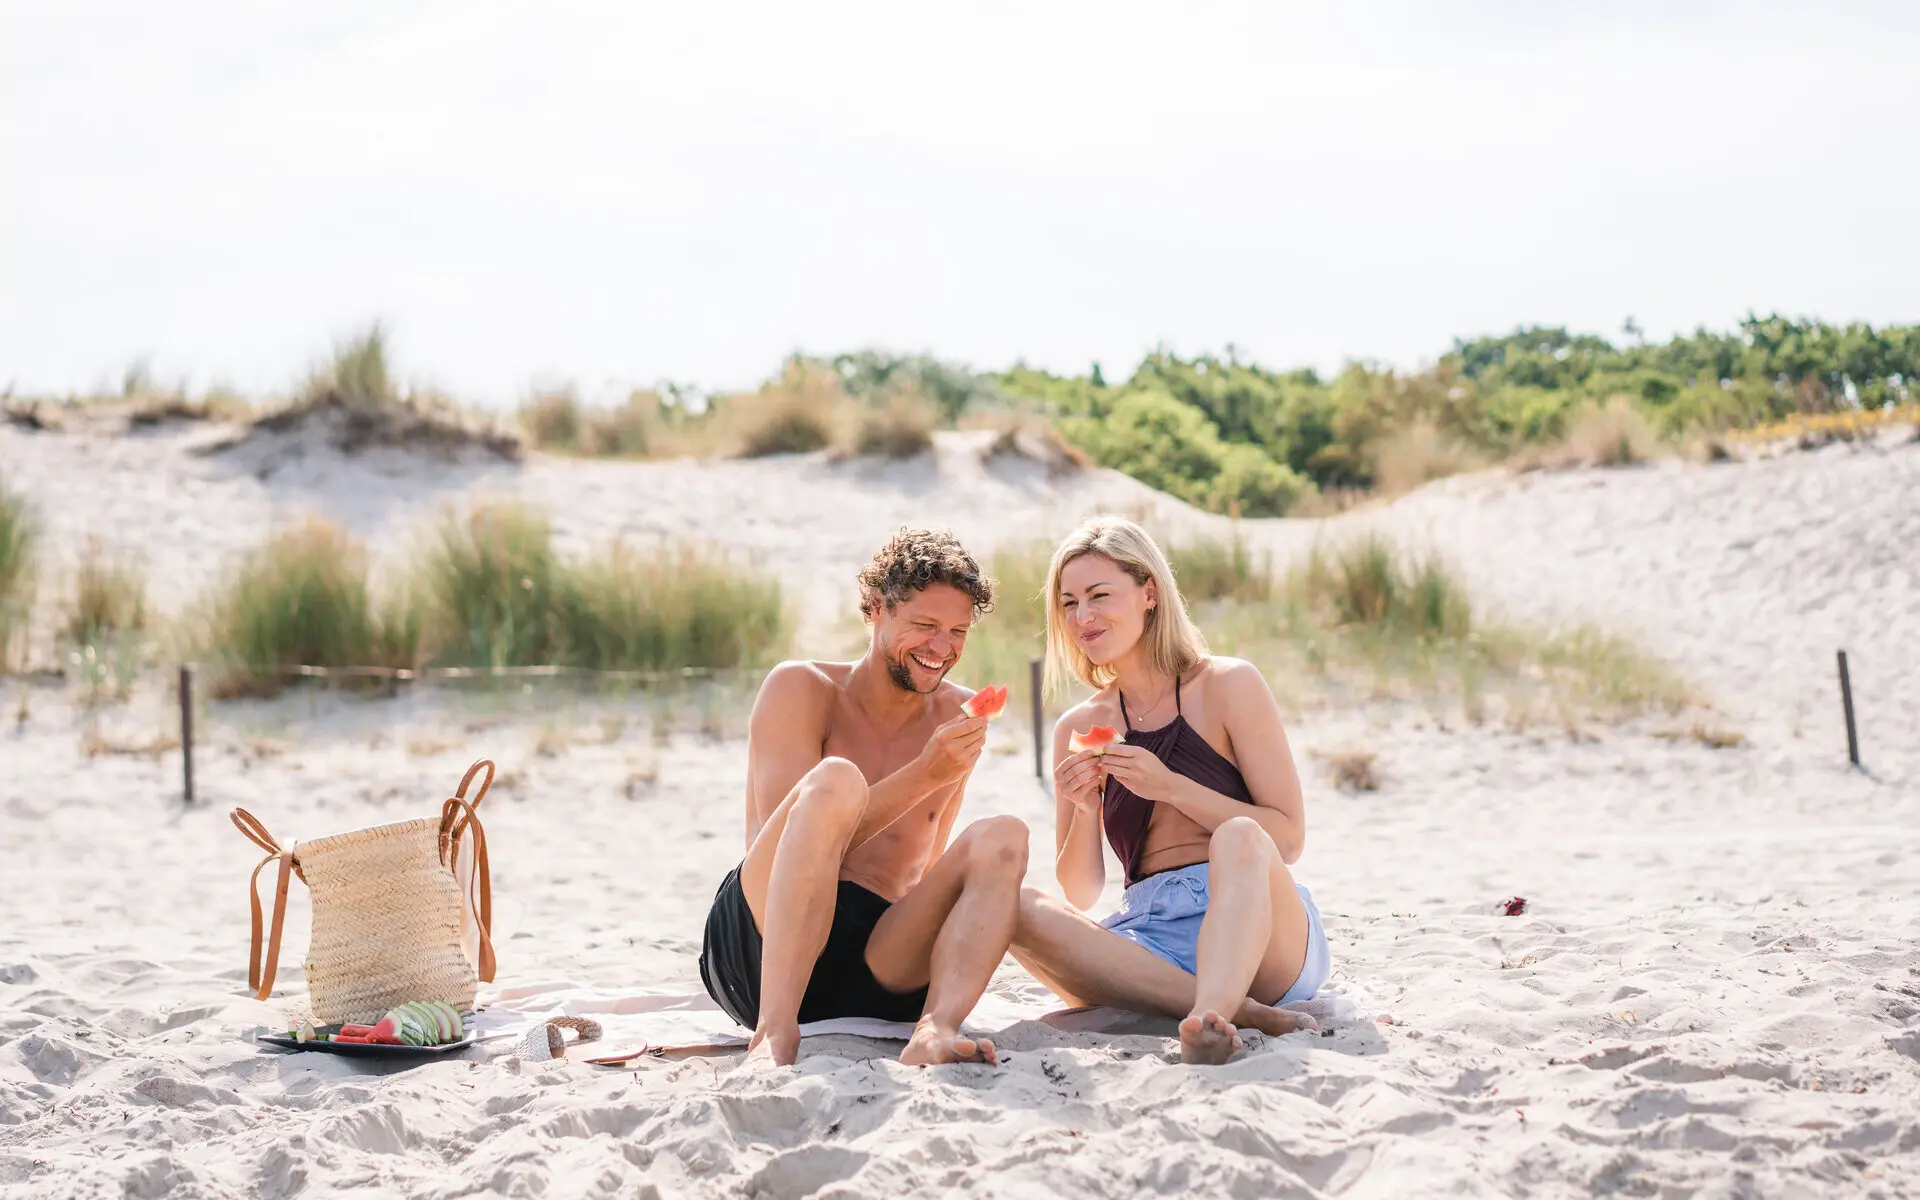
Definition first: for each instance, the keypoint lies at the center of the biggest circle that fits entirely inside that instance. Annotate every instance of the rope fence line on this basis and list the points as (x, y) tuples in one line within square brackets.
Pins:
[(422, 674), (396, 675)]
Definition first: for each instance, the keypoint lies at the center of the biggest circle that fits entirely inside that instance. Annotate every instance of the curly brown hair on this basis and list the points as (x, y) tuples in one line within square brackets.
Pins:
[(915, 559)]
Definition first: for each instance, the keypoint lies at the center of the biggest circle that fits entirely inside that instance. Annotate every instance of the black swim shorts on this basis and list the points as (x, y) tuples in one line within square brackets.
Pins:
[(841, 984)]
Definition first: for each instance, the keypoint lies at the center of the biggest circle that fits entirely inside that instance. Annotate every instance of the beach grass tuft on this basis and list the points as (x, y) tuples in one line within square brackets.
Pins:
[(802, 411), (498, 594), (491, 583), (109, 597), (898, 426), (1355, 621), (488, 589), (300, 599), (19, 547)]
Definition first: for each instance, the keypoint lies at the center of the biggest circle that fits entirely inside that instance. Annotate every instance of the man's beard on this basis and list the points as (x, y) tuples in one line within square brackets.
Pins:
[(902, 676)]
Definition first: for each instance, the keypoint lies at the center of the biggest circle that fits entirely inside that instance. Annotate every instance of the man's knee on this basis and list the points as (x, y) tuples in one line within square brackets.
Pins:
[(1239, 841), (998, 844), (834, 787)]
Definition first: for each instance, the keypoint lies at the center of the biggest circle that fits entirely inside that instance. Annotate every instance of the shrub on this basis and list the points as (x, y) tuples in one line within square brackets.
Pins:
[(631, 430), (19, 545), (301, 599), (800, 412), (1251, 484), (553, 420), (1612, 435), (900, 426), (1418, 454)]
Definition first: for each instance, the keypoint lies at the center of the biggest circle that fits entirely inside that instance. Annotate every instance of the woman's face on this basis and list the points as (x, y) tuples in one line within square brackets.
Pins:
[(1105, 610)]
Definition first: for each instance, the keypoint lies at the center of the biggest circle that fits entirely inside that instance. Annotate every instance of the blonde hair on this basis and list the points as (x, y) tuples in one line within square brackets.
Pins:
[(1174, 644)]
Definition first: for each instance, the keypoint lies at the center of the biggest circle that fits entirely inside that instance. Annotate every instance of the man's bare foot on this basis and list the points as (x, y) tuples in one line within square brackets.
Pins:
[(1274, 1022), (781, 1045), (930, 1044), (1208, 1041)]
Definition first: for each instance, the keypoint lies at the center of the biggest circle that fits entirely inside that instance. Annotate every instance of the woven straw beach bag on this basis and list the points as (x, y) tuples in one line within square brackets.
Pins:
[(392, 921)]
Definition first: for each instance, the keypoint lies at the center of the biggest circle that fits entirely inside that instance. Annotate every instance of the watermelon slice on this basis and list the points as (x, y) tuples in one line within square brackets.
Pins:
[(988, 702), (1096, 739)]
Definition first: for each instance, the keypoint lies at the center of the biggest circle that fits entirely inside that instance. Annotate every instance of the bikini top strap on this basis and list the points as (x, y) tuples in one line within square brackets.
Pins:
[(1176, 695), (1124, 718)]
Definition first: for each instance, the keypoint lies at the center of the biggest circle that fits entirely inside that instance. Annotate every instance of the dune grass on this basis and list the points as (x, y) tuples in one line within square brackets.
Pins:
[(19, 547), (488, 589), (498, 594), (897, 426), (354, 398), (668, 608), (805, 409), (1352, 621), (109, 597), (300, 599), (491, 584), (105, 625), (557, 422)]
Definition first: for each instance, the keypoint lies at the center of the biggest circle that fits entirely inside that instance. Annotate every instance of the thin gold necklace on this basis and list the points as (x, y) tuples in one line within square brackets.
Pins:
[(1164, 693)]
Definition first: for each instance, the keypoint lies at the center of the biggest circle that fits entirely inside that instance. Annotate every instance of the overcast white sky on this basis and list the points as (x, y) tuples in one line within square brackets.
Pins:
[(617, 192)]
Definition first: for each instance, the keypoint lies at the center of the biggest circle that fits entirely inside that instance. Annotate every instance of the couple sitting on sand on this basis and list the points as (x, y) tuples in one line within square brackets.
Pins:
[(851, 903)]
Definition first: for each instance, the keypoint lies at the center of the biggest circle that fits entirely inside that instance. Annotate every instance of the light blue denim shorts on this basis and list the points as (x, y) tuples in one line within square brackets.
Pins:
[(1162, 913)]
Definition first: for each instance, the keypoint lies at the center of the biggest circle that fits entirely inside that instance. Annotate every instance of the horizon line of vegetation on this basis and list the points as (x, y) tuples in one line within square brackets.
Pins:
[(1220, 432)]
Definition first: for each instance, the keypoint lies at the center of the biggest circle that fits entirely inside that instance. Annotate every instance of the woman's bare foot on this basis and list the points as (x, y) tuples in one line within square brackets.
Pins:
[(1208, 1041), (930, 1044), (780, 1045), (1274, 1022)]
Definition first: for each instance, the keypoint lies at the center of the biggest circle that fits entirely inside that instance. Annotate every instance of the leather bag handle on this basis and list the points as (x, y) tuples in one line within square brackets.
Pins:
[(457, 819), (261, 980)]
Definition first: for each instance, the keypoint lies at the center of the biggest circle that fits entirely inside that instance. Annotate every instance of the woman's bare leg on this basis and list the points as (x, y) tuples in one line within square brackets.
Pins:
[(1083, 963), (1252, 940)]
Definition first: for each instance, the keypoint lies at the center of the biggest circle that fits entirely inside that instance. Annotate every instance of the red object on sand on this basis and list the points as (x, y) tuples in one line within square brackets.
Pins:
[(1515, 906), (987, 702)]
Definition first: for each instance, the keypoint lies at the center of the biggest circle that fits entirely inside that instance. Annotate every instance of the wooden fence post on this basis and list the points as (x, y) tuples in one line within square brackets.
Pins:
[(186, 731), (1039, 720), (1846, 705)]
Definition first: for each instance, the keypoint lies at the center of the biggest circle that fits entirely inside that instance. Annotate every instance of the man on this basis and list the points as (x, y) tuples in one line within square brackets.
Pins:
[(849, 901)]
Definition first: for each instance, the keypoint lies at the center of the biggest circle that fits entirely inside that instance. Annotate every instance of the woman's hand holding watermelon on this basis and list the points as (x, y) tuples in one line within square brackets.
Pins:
[(1080, 779), (1140, 772)]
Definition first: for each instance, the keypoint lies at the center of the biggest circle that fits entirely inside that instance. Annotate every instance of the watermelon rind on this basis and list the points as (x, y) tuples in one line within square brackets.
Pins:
[(442, 1030), (428, 1023)]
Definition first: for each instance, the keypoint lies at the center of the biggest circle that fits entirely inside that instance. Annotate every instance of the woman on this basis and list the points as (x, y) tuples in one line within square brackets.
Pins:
[(1200, 802)]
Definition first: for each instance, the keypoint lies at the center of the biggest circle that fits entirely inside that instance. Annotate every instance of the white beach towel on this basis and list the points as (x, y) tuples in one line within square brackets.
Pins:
[(688, 1020)]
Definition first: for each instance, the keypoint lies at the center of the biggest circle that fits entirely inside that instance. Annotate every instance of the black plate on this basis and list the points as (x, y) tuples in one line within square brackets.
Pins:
[(364, 1050)]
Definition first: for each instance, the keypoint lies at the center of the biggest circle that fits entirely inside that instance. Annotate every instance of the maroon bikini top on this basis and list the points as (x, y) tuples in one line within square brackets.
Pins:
[(1185, 752)]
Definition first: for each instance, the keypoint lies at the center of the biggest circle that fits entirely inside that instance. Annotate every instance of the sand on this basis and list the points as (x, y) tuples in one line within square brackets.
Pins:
[(1714, 989)]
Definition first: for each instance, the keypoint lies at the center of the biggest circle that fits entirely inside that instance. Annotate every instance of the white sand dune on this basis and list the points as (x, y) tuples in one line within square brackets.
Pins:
[(1714, 991)]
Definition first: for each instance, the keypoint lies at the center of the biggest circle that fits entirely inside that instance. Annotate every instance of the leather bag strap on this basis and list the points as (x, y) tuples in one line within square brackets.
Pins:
[(259, 979), (457, 820)]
